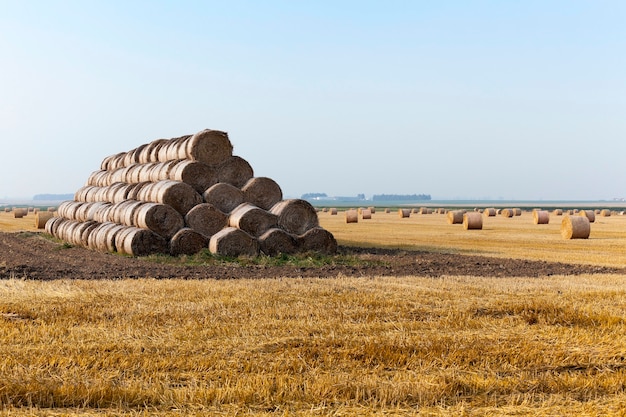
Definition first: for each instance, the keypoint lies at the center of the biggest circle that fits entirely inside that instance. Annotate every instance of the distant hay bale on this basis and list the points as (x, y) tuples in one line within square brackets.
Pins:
[(541, 217), (41, 217), (425, 210), (197, 174), (366, 214), (404, 213), (333, 211), (472, 221), (252, 219), (490, 212), (352, 216), (517, 211), (455, 216), (18, 213), (7, 210), (187, 242), (276, 241), (508, 213), (263, 192), (372, 209), (231, 241), (135, 241), (590, 214), (295, 216), (225, 197), (575, 227), (318, 239), (206, 219), (387, 210), (605, 213), (558, 212), (235, 171), (162, 219)]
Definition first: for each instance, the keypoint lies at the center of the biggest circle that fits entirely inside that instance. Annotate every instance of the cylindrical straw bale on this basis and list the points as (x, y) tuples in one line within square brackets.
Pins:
[(162, 219), (372, 209), (7, 209), (387, 210), (490, 212), (187, 242), (262, 192), (352, 216), (605, 213), (41, 217), (333, 211), (182, 197), (295, 216), (276, 241), (18, 213), (197, 174), (575, 227), (366, 214), (455, 216), (231, 241), (235, 171), (223, 196), (68, 209), (252, 219), (134, 193), (589, 214), (53, 224), (174, 146), (508, 212), (402, 213), (517, 211), (139, 242), (106, 238), (558, 212), (206, 219), (541, 217), (318, 239), (82, 232), (472, 221), (209, 146)]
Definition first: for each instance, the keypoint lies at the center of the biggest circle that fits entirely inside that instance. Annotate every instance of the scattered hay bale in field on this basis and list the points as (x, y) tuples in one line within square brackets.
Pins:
[(235, 171), (295, 216), (472, 221), (41, 218), (490, 212), (366, 214), (508, 213), (206, 219), (605, 213), (558, 212), (387, 210), (18, 213), (318, 239), (352, 216), (276, 241), (224, 197), (590, 214), (541, 217), (403, 213), (455, 216), (231, 241), (263, 192), (517, 211), (7, 210), (139, 242), (575, 227), (425, 210), (333, 211), (252, 219), (187, 242), (372, 209)]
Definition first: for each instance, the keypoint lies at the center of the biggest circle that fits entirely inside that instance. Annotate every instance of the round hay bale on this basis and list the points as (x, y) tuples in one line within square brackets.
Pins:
[(590, 214), (235, 171), (295, 216), (605, 213), (105, 236), (276, 241), (206, 219), (41, 218), (541, 217), (162, 219), (52, 225), (404, 213), (209, 146), (472, 221), (352, 216), (223, 196), (507, 213), (558, 212), (366, 214), (318, 239), (231, 241), (139, 242), (18, 213), (174, 147), (252, 219), (187, 242), (263, 192), (455, 217), (333, 211), (387, 210), (489, 212), (372, 210), (575, 227), (82, 232), (182, 197), (197, 174), (135, 191), (7, 210), (68, 209)]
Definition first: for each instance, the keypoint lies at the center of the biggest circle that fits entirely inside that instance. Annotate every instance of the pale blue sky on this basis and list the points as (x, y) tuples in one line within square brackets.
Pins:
[(456, 99)]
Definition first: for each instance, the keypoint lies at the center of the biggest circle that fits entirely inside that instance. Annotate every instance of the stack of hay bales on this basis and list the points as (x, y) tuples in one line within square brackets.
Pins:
[(182, 195)]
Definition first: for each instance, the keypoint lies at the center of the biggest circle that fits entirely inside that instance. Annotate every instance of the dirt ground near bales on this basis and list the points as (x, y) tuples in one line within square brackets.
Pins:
[(31, 256)]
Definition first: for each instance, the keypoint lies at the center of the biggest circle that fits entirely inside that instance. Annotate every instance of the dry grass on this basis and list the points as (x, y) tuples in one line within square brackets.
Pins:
[(387, 346)]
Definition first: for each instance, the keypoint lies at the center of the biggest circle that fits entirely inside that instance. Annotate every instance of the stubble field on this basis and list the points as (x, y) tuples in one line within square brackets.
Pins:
[(342, 345)]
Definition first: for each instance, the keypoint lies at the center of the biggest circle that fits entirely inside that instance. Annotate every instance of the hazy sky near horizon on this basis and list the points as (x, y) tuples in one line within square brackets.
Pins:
[(456, 99)]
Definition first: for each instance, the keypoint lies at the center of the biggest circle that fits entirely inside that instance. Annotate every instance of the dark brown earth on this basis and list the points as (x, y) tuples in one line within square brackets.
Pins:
[(33, 256)]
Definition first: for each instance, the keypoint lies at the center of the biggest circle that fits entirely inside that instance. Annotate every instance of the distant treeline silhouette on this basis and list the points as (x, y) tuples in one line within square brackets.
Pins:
[(400, 197)]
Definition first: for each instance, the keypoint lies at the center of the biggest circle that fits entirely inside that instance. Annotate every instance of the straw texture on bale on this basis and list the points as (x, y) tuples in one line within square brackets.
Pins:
[(508, 212), (162, 219), (402, 213), (206, 219), (135, 241), (541, 217), (225, 197), (366, 214), (295, 215), (490, 212), (252, 219), (276, 241), (182, 197), (333, 211), (231, 241), (455, 217), (590, 214), (575, 227), (41, 217), (318, 239), (352, 216), (209, 146), (472, 221), (235, 171), (558, 212), (605, 213), (263, 192), (19, 213), (187, 242)]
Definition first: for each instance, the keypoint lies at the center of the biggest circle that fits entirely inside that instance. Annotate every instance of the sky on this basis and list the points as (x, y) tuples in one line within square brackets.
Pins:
[(514, 100)]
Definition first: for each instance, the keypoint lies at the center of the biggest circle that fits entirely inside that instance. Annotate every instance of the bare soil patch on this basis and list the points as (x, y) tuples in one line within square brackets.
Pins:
[(31, 256)]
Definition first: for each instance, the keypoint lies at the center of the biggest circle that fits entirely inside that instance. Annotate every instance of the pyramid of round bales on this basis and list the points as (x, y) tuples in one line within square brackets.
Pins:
[(182, 195)]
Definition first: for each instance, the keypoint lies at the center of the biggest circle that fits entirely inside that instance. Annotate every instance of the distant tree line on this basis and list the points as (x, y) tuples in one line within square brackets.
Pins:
[(400, 197)]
